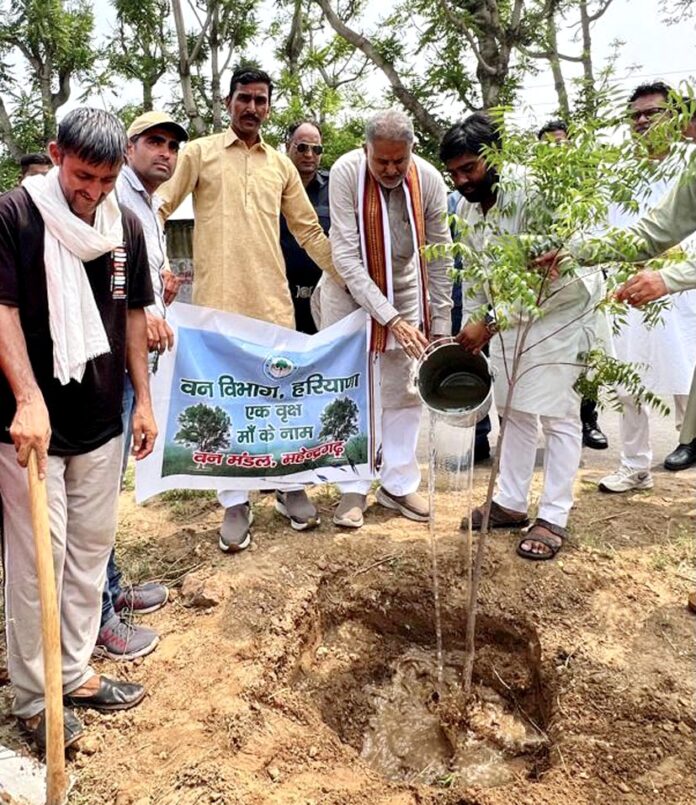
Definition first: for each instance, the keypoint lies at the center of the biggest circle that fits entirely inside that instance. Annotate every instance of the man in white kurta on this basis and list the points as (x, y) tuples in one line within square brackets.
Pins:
[(664, 355), (544, 393), (388, 156)]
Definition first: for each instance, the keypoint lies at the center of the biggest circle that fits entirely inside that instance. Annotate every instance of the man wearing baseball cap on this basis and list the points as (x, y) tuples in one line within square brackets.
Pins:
[(153, 148)]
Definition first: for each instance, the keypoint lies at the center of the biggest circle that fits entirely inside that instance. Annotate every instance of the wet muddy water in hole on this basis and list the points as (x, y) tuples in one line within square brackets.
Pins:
[(406, 739)]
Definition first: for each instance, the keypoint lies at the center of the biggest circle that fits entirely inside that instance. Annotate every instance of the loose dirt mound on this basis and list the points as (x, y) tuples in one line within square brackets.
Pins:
[(265, 694)]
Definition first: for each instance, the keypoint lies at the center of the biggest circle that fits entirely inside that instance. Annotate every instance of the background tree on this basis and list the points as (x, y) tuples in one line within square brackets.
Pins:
[(141, 47), (52, 42), (223, 29), (204, 427), (468, 50), (339, 420)]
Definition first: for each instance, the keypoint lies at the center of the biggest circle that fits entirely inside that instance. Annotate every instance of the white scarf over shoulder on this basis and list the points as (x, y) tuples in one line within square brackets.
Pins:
[(76, 327)]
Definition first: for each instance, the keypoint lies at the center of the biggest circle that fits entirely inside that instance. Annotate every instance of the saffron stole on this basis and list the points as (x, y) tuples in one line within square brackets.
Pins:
[(375, 242)]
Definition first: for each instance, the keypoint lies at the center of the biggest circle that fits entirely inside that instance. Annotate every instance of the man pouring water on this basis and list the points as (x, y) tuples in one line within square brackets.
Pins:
[(385, 205)]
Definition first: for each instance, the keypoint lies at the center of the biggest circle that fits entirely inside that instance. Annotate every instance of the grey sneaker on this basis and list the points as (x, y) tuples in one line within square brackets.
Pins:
[(142, 598), (626, 480), (119, 640), (235, 531), (298, 508), (413, 505), (349, 512)]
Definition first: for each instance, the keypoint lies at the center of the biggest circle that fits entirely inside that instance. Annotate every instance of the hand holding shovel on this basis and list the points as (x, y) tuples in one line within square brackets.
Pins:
[(56, 777)]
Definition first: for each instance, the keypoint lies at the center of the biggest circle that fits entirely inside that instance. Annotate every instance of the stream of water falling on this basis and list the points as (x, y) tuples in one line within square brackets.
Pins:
[(450, 453)]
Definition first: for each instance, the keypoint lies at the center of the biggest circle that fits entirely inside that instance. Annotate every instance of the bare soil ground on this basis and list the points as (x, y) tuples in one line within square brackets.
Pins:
[(252, 700)]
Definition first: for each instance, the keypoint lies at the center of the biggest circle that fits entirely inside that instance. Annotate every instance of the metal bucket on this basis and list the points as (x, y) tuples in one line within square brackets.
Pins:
[(454, 383)]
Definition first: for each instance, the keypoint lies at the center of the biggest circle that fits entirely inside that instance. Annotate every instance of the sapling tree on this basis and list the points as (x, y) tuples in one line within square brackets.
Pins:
[(556, 193)]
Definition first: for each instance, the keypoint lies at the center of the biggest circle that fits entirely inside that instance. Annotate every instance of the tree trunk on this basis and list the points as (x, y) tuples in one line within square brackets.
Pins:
[(184, 68), (48, 112), (495, 57), (556, 70), (216, 94), (7, 134), (148, 86), (587, 70), (411, 103)]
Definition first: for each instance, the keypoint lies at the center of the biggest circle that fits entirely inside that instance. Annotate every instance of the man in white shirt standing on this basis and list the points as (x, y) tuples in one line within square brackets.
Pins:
[(387, 275), (544, 393), (674, 335), (153, 147)]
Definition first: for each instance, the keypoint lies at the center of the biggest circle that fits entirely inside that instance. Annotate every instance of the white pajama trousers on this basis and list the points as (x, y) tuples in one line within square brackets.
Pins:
[(82, 501), (400, 473), (561, 461), (636, 452)]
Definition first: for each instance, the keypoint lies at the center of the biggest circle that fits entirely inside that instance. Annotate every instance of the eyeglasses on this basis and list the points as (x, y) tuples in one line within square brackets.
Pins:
[(648, 114), (302, 148)]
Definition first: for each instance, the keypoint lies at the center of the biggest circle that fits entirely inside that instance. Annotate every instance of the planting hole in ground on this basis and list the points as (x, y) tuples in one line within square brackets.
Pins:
[(370, 667)]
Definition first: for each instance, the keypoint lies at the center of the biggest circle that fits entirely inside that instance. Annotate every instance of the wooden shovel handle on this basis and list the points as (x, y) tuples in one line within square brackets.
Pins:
[(56, 777)]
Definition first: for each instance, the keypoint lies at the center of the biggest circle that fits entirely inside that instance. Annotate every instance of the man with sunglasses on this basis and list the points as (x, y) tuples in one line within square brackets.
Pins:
[(240, 187), (304, 147)]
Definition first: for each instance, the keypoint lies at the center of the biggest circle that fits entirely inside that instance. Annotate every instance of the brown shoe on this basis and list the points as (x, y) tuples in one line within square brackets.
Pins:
[(413, 506), (691, 602), (500, 518), (349, 512)]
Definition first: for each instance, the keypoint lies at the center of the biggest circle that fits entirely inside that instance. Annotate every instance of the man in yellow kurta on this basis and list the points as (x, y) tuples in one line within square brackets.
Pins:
[(240, 186)]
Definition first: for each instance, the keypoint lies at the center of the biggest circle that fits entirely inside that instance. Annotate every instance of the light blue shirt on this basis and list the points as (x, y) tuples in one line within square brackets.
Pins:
[(131, 194)]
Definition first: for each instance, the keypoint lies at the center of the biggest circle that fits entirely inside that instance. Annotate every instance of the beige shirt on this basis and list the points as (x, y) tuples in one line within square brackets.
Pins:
[(238, 196)]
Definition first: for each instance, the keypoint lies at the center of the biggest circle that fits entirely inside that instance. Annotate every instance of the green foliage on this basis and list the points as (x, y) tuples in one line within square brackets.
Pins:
[(339, 419), (204, 427), (603, 371), (567, 191), (140, 47)]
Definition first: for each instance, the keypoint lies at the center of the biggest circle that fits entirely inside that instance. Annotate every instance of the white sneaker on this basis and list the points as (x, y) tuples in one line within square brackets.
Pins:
[(625, 479)]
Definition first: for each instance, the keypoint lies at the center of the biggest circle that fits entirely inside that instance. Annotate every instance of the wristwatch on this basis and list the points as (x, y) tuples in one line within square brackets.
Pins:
[(491, 324)]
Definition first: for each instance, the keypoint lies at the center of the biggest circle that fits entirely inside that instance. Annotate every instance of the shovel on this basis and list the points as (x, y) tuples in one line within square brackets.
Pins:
[(20, 777)]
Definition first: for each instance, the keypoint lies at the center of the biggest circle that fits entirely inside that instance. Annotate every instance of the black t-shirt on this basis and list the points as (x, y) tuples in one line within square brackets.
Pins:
[(83, 415), (302, 272)]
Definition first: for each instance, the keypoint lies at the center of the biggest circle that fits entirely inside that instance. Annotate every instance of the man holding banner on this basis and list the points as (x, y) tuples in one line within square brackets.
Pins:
[(240, 187), (386, 275)]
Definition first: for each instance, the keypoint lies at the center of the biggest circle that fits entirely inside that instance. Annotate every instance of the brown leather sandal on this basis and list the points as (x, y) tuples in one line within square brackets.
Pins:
[(537, 536), (499, 519)]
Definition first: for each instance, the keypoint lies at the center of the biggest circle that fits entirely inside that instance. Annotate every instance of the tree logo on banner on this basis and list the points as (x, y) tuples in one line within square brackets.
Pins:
[(277, 367)]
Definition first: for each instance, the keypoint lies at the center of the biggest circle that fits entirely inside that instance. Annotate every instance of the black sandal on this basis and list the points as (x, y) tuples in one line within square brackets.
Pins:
[(553, 547), (499, 519)]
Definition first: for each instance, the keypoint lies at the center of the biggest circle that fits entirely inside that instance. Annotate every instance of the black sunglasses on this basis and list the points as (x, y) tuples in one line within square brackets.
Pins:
[(302, 148)]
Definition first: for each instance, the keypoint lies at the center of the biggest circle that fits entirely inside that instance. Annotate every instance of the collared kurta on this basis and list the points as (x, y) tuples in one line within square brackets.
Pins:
[(674, 335), (397, 386), (666, 225), (566, 329), (671, 222), (238, 196)]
